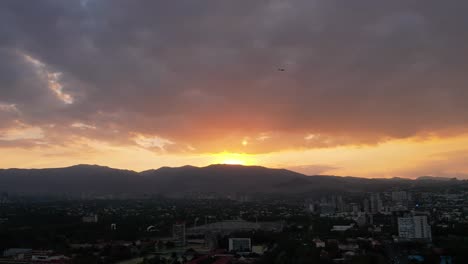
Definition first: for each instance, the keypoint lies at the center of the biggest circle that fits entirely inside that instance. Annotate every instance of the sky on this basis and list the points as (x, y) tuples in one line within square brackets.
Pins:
[(370, 88)]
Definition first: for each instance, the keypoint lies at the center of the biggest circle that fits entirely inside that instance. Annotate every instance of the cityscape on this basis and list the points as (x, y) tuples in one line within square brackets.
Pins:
[(413, 225), (233, 132)]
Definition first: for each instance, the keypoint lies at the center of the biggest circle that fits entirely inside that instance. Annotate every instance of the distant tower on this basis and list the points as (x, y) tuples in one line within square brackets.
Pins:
[(4, 198), (90, 218), (178, 233), (414, 227), (376, 204), (340, 205), (399, 196), (333, 201), (211, 240), (366, 206)]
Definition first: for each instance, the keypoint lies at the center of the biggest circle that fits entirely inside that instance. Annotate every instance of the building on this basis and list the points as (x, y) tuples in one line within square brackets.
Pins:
[(361, 220), (312, 208), (366, 205), (376, 204), (342, 228), (422, 228), (48, 257), (399, 196), (319, 243), (178, 233), (211, 240), (230, 226), (340, 204), (19, 255), (348, 246), (242, 197), (90, 219), (327, 209), (414, 227), (259, 249), (4, 198), (240, 245), (355, 208)]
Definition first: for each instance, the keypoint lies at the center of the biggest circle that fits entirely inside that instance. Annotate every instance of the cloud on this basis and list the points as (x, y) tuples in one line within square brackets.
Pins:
[(82, 126), (53, 79), (153, 142), (263, 137), (21, 132), (205, 74), (8, 108)]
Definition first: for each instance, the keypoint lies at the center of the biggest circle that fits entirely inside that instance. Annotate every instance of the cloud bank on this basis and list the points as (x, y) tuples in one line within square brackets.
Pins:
[(202, 76)]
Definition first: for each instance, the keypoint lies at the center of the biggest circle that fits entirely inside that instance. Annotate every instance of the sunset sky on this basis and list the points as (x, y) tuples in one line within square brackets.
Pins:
[(370, 88)]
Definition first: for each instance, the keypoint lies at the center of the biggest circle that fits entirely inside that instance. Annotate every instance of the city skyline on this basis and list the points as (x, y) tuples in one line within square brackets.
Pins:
[(365, 88)]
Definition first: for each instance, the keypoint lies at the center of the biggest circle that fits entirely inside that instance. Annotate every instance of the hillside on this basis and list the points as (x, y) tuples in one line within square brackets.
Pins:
[(98, 180)]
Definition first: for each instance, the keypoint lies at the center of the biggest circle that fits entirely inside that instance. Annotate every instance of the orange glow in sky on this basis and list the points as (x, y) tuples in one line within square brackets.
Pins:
[(319, 87), (395, 158), (233, 159)]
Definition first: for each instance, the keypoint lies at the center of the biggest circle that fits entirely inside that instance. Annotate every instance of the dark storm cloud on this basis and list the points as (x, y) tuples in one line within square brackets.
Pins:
[(204, 74)]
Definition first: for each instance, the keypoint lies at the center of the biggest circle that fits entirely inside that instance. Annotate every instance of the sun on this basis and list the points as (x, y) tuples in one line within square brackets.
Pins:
[(233, 159), (233, 162)]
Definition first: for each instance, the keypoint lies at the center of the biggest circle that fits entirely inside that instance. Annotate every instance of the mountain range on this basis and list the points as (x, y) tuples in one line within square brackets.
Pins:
[(222, 179)]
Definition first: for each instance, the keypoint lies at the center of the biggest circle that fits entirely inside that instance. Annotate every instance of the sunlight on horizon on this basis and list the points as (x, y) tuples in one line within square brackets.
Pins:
[(234, 159)]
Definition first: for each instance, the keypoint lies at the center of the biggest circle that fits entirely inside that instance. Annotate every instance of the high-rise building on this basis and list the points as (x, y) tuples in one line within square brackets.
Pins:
[(3, 198), (178, 233), (340, 205), (333, 201), (311, 208), (93, 218), (414, 227), (242, 197), (399, 196), (211, 240), (327, 209), (376, 204), (366, 206), (240, 244)]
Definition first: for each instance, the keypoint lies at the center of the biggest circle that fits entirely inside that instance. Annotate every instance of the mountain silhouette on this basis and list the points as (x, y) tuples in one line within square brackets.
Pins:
[(223, 179)]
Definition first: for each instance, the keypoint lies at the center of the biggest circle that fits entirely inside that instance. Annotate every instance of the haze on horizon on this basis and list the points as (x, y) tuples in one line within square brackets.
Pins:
[(369, 88)]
